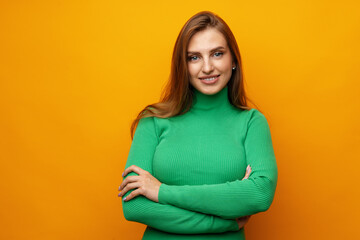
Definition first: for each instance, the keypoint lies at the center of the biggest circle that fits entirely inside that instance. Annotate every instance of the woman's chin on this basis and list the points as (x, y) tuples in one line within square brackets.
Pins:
[(209, 89)]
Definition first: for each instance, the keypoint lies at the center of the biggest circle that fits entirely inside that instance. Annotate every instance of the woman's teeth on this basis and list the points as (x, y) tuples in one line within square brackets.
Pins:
[(209, 79)]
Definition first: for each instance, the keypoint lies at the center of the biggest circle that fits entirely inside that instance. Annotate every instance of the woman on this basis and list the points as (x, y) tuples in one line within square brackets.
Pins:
[(188, 173)]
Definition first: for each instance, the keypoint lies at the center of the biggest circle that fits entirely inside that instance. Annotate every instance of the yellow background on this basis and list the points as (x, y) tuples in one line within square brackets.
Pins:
[(74, 74)]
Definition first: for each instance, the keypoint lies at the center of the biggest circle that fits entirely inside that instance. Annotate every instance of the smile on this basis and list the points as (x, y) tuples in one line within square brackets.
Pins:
[(209, 79)]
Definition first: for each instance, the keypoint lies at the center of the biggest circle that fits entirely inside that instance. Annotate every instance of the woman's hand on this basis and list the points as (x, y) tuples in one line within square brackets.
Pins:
[(247, 173), (241, 221), (145, 183)]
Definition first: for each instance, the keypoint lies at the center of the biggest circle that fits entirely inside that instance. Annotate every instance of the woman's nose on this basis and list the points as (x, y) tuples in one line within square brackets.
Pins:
[(207, 66)]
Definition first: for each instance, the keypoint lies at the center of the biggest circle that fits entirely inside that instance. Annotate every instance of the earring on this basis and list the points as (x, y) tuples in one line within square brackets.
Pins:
[(233, 68)]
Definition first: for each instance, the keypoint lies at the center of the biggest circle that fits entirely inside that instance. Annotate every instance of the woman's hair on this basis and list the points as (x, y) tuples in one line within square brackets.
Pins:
[(177, 96)]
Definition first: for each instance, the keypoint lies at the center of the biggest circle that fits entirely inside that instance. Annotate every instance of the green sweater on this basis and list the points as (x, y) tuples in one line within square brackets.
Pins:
[(200, 158)]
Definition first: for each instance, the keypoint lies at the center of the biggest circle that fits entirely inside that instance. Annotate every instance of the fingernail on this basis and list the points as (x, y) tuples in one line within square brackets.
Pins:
[(119, 195), (124, 198), (122, 174), (119, 188)]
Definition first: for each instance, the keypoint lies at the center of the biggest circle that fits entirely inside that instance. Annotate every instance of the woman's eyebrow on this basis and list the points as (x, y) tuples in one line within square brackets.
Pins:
[(212, 50)]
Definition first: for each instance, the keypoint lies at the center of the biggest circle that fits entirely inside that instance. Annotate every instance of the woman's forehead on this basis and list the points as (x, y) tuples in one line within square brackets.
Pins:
[(207, 40)]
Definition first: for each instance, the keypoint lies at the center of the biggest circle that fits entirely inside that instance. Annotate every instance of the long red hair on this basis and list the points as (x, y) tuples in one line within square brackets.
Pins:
[(177, 96)]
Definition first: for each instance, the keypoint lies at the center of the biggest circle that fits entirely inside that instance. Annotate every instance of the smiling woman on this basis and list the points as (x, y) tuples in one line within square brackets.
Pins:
[(201, 161), (210, 61)]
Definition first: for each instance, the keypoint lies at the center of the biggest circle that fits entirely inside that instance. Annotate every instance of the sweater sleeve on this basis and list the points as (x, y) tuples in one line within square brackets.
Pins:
[(166, 218), (237, 198)]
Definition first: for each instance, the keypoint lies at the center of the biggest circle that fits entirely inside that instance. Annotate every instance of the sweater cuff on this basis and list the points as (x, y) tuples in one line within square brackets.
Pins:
[(235, 226), (163, 193)]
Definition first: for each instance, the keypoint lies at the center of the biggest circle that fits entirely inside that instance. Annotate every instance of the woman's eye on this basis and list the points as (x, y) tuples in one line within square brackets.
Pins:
[(193, 58), (218, 54)]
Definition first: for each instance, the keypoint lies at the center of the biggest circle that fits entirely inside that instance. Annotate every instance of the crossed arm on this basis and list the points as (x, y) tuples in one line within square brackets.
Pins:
[(224, 202), (164, 217), (240, 197)]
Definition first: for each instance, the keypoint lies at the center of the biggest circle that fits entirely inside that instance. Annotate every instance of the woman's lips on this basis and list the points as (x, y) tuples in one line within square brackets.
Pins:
[(209, 79)]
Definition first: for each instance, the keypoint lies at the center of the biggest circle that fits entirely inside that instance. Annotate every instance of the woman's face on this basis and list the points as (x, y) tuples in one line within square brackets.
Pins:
[(209, 61)]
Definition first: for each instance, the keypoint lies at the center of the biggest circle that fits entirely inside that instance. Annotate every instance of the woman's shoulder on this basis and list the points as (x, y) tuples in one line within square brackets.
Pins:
[(249, 113), (257, 120), (153, 122), (253, 112), (251, 116), (147, 124)]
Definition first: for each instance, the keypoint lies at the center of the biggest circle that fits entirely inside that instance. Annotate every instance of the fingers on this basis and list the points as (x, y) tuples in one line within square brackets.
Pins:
[(133, 194), (248, 171), (128, 180), (129, 187), (132, 168), (243, 218), (242, 221), (131, 182)]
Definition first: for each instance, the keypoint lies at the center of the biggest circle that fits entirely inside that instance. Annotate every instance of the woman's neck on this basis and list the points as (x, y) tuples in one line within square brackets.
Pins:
[(215, 101)]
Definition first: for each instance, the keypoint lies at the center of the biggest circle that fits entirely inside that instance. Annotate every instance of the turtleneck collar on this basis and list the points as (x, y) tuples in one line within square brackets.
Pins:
[(208, 102)]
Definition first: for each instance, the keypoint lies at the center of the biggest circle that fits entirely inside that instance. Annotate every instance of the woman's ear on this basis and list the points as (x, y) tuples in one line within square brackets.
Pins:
[(233, 64)]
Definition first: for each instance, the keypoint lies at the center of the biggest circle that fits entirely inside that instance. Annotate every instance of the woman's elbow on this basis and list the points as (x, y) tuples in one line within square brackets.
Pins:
[(266, 196), (129, 212), (264, 203)]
